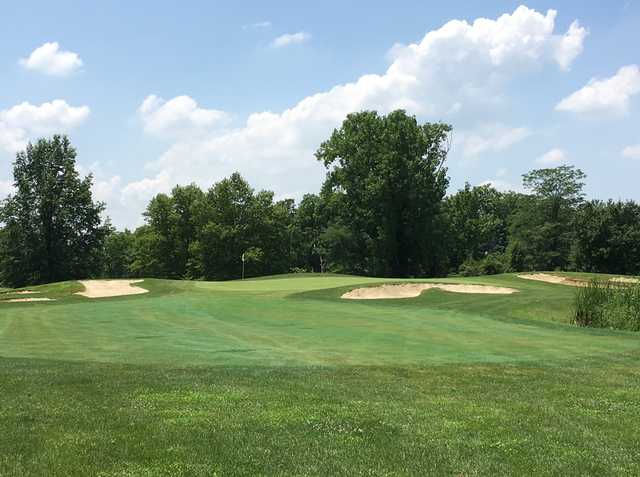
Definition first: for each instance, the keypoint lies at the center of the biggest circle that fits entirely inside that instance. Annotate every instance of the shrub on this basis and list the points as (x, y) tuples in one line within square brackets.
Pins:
[(603, 304), (492, 264)]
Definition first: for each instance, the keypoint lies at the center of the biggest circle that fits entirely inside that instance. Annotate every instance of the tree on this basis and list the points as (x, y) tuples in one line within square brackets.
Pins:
[(53, 228), (118, 254), (608, 238), (477, 224), (239, 221), (310, 222), (390, 172), (543, 228)]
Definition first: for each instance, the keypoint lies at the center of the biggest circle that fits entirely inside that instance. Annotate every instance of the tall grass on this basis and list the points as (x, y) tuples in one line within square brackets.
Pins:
[(603, 304)]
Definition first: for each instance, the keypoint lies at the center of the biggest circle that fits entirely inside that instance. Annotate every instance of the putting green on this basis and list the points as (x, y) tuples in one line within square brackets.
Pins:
[(300, 321)]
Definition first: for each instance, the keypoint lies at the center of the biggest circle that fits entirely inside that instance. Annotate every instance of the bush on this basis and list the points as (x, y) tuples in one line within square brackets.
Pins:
[(492, 264), (603, 304)]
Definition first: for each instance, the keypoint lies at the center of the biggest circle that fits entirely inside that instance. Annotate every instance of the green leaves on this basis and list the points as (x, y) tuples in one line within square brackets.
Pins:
[(53, 229), (390, 173)]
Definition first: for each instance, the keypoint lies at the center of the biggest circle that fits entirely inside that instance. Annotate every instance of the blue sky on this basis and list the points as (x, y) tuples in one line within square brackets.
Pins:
[(158, 93)]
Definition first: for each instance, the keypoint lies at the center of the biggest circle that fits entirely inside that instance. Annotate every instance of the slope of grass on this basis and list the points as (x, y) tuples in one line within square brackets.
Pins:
[(282, 377), (297, 322)]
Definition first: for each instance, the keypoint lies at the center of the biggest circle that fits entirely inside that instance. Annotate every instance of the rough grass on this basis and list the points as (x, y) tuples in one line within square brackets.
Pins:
[(282, 377), (602, 304)]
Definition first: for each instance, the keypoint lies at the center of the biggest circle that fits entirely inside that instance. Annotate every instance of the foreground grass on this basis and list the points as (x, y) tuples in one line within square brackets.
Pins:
[(62, 418), (282, 377)]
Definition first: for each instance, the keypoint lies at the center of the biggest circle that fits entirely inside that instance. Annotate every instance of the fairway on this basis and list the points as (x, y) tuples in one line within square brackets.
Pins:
[(283, 376), (302, 321)]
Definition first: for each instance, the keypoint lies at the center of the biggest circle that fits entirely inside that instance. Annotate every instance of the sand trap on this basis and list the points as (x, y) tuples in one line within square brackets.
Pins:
[(624, 280), (19, 292), (107, 288), (411, 290), (544, 277), (19, 300), (573, 282)]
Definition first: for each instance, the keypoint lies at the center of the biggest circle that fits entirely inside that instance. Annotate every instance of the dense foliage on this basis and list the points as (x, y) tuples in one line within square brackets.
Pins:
[(608, 305), (52, 228), (382, 211)]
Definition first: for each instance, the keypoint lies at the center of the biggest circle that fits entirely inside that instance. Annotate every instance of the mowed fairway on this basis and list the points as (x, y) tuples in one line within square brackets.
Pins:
[(282, 376)]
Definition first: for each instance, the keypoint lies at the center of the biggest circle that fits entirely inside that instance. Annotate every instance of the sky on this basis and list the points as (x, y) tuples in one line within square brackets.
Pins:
[(154, 94)]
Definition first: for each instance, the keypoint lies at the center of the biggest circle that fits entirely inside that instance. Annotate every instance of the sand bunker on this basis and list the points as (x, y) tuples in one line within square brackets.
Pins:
[(107, 288), (19, 300), (624, 280), (573, 282), (19, 292), (544, 277), (411, 290)]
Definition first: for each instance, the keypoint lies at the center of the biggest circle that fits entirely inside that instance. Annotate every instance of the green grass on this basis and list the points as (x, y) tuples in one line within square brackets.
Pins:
[(280, 376)]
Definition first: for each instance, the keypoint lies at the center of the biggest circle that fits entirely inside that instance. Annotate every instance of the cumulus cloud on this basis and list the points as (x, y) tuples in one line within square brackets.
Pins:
[(631, 152), (23, 121), (570, 45), (490, 138), (553, 156), (50, 60), (610, 96), (291, 39), (178, 116), (450, 71), (106, 190)]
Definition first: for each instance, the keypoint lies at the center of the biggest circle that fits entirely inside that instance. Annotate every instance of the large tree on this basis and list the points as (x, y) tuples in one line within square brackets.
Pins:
[(390, 171), (543, 229), (53, 228)]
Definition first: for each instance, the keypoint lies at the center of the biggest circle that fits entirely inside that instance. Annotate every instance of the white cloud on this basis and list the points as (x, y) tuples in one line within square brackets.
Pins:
[(490, 138), (12, 139), (453, 69), (501, 185), (570, 45), (290, 39), (178, 116), (257, 25), (553, 156), (106, 190), (631, 152), (50, 60), (25, 120), (6, 188), (610, 96)]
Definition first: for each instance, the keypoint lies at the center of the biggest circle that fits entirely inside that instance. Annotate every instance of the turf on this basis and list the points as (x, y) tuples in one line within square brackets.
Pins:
[(280, 376)]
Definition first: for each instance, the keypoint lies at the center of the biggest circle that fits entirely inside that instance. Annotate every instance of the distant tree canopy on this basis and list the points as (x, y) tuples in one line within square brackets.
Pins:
[(52, 228), (382, 211)]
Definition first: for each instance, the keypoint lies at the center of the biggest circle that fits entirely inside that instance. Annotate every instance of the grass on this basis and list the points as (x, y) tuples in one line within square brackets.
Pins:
[(281, 377), (603, 304)]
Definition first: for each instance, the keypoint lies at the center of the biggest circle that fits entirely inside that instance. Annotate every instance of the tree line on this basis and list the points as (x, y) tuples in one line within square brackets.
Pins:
[(382, 211)]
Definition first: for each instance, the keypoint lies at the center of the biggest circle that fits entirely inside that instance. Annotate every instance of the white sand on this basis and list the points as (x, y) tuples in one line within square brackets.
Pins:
[(411, 290), (624, 280), (545, 277), (107, 288), (18, 300), (573, 282)]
